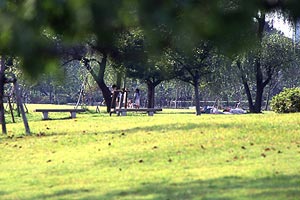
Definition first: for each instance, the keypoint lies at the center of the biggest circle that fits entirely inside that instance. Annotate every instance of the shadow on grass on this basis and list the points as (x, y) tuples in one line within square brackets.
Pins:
[(280, 187), (172, 127), (57, 119), (154, 128), (277, 187), (60, 194)]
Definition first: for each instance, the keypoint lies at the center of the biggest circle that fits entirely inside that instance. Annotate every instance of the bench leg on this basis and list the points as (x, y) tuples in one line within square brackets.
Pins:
[(45, 115), (123, 113), (73, 114), (150, 113)]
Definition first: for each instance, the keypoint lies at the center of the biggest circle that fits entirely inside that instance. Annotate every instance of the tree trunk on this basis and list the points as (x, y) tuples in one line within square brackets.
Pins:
[(99, 78), (119, 80), (196, 82), (150, 94), (259, 85), (105, 90), (271, 87), (197, 98), (259, 95), (258, 98), (2, 80), (20, 105), (268, 99), (246, 86), (50, 95), (249, 96), (259, 74), (106, 93)]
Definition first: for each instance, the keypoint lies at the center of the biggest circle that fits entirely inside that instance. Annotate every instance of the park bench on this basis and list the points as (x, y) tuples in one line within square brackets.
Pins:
[(71, 111), (150, 111)]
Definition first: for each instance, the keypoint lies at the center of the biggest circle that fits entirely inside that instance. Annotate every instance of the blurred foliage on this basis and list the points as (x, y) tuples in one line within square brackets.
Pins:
[(133, 54), (29, 28)]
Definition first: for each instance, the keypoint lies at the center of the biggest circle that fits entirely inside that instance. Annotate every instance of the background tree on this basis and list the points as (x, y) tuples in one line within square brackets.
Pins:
[(194, 66), (258, 69), (140, 64)]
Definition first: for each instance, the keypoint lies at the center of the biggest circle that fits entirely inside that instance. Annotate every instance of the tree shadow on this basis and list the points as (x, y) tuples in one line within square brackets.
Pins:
[(224, 188), (56, 119), (172, 127), (2, 193), (148, 129), (62, 193), (277, 187)]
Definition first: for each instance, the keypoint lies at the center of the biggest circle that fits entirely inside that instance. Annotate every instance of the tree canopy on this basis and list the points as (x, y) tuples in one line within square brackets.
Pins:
[(28, 27)]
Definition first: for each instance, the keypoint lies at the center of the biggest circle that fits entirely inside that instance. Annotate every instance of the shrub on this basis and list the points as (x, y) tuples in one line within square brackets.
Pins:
[(287, 101)]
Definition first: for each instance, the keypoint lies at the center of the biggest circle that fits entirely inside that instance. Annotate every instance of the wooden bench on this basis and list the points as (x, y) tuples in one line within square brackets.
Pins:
[(71, 111), (150, 111)]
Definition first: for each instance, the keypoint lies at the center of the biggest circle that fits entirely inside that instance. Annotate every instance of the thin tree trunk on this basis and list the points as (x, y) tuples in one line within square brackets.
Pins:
[(271, 87), (20, 105), (119, 80), (249, 96), (197, 98), (11, 110), (99, 78), (176, 98), (2, 81), (268, 99), (246, 86)]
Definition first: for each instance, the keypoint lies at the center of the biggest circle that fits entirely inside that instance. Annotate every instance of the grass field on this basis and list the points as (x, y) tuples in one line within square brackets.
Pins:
[(172, 155)]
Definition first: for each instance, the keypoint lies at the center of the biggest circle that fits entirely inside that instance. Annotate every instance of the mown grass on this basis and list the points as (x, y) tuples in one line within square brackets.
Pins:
[(172, 155)]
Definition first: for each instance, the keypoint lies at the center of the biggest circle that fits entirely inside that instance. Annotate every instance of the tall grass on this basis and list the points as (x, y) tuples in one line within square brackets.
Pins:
[(172, 155)]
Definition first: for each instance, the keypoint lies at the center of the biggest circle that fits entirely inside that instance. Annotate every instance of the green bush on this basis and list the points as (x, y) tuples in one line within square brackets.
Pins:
[(287, 101)]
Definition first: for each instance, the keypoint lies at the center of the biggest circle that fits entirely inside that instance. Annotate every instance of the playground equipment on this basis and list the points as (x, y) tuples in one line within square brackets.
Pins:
[(12, 101), (15, 91), (82, 94)]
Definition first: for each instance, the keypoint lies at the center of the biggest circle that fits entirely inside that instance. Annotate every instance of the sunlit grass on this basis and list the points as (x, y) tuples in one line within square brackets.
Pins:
[(172, 155)]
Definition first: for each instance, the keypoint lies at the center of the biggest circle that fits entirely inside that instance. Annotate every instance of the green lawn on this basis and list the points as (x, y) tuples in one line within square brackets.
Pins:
[(172, 155)]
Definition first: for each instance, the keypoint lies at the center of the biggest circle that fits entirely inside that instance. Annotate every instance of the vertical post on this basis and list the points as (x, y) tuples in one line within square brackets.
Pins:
[(45, 115), (125, 98), (2, 82), (121, 104), (11, 110), (20, 105), (73, 114), (150, 113)]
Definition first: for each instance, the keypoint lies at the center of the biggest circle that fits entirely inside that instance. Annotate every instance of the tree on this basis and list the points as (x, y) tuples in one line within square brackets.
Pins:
[(194, 66), (261, 66), (98, 75), (95, 58), (140, 64)]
